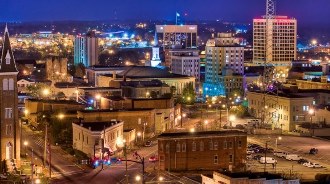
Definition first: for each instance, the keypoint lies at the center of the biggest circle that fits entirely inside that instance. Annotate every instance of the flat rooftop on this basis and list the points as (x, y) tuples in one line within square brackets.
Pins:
[(201, 134), (97, 126)]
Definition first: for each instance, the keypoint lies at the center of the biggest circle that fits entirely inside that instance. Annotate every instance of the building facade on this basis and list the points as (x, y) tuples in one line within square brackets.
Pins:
[(91, 137), (247, 177), (186, 62), (9, 128), (86, 49), (212, 150), (224, 68), (291, 109), (281, 49)]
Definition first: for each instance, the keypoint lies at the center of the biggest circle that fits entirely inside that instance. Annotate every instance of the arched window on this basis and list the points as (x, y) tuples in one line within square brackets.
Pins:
[(201, 146), (167, 148), (5, 84), (193, 146), (11, 84), (9, 151), (178, 147)]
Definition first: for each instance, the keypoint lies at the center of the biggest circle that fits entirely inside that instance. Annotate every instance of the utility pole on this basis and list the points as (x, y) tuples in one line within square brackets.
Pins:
[(32, 165), (45, 144), (266, 157)]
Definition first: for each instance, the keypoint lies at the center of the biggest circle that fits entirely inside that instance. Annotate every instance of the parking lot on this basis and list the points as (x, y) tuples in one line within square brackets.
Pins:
[(292, 145)]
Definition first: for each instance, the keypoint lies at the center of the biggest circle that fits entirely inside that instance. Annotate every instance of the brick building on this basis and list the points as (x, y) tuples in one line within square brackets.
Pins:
[(210, 150), (9, 127)]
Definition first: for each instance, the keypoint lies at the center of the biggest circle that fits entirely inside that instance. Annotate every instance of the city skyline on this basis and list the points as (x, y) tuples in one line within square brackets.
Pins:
[(306, 11)]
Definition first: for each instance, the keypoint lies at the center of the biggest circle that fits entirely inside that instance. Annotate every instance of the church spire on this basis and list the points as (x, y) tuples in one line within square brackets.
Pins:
[(155, 39), (7, 58)]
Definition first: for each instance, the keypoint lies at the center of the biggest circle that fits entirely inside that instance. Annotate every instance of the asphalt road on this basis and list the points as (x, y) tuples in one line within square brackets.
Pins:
[(62, 166)]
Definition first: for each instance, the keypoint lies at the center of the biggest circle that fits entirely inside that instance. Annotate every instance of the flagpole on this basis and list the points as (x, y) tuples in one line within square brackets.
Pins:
[(176, 18)]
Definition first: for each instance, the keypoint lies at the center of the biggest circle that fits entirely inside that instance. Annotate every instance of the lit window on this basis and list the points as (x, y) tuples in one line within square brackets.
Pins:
[(193, 146), (231, 158), (201, 146), (178, 147), (8, 113), (183, 147), (215, 145)]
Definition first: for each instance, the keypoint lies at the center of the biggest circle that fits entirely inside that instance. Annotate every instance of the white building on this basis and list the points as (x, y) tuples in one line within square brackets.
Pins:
[(224, 65), (89, 137), (185, 62), (285, 111)]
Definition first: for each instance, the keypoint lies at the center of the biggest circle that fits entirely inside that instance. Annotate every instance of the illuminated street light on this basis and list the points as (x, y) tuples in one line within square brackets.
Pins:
[(188, 98), (38, 181), (137, 178), (45, 92), (139, 134), (61, 116), (161, 178), (311, 111), (232, 118), (184, 115), (98, 96), (192, 130)]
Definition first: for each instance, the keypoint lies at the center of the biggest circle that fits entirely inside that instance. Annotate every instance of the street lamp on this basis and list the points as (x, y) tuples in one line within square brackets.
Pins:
[(161, 178), (25, 145), (137, 178), (311, 112), (45, 92), (277, 139), (61, 116), (192, 130), (231, 119), (205, 123)]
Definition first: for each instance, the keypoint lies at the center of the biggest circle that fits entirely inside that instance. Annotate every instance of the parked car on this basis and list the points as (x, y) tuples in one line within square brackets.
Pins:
[(314, 165), (313, 151), (153, 158), (257, 157), (302, 161), (148, 143), (293, 157), (249, 151), (267, 160), (306, 164), (280, 154), (249, 157)]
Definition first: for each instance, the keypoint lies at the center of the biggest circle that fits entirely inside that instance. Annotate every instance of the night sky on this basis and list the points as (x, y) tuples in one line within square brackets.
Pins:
[(306, 11)]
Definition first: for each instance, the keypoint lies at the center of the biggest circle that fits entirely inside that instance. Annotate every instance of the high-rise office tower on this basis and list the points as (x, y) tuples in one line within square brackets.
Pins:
[(9, 134), (86, 50), (281, 50), (224, 65)]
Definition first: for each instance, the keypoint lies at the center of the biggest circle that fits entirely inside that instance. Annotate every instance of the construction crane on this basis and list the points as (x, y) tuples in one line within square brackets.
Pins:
[(270, 104)]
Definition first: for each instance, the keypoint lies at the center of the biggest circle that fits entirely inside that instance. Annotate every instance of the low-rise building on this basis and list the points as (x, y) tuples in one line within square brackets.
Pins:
[(284, 111), (144, 121), (210, 150), (23, 83), (144, 73), (247, 177), (144, 89), (91, 137)]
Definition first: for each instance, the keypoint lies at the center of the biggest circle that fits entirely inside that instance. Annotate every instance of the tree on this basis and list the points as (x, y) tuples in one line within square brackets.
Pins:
[(80, 70), (188, 94), (36, 89), (153, 94)]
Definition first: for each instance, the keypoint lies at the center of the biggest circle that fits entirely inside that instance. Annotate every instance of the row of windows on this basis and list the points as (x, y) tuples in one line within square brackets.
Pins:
[(212, 145), (8, 84)]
